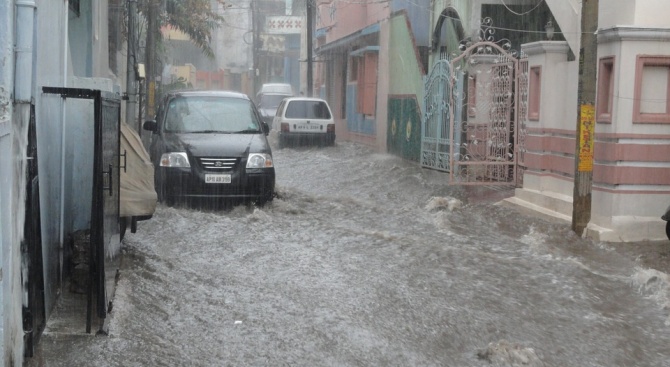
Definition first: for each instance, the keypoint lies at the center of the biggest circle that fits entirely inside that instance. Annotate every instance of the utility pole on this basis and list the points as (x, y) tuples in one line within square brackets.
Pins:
[(310, 82), (131, 61), (150, 61), (254, 47), (585, 131)]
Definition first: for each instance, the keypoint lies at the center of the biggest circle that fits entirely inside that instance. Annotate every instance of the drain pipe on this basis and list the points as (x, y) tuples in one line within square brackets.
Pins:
[(23, 72), (23, 98), (63, 116), (131, 62)]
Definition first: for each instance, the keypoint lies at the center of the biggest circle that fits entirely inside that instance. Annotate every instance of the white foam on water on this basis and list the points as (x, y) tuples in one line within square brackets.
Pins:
[(655, 285), (259, 215), (443, 203), (505, 353), (535, 240)]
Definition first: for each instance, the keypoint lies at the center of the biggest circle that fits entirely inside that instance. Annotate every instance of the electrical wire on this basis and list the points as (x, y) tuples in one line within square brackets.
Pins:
[(521, 14), (427, 8)]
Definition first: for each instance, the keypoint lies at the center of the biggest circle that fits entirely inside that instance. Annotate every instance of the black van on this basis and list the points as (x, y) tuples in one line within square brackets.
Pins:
[(210, 145)]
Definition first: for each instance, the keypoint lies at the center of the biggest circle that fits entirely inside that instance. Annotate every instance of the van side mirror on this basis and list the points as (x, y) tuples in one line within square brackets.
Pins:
[(150, 125)]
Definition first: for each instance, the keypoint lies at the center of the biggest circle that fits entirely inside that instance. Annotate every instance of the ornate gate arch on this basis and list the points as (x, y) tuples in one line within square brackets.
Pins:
[(474, 111)]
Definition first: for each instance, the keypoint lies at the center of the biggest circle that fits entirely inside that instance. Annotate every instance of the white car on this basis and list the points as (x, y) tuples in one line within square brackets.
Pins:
[(304, 119)]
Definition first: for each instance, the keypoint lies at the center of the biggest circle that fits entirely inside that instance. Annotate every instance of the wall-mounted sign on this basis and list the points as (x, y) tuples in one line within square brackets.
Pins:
[(586, 137), (284, 24), (274, 44)]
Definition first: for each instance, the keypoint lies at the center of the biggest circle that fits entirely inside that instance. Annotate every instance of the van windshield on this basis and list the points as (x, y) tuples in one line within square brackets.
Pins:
[(307, 110), (271, 100), (210, 114)]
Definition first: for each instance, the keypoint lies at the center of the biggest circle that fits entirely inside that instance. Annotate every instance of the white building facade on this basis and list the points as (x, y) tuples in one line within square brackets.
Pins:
[(46, 44), (631, 168)]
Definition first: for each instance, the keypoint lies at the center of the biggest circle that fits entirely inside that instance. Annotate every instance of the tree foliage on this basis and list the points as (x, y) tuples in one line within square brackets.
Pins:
[(193, 17)]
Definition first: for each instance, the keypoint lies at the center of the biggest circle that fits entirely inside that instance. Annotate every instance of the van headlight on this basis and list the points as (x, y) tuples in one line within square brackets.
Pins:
[(259, 160), (175, 159)]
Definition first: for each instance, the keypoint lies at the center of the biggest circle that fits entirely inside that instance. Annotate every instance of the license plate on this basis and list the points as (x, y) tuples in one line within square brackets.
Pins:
[(308, 127), (213, 178)]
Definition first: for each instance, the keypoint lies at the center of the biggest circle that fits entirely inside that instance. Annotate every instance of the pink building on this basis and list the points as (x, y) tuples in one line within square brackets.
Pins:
[(347, 40)]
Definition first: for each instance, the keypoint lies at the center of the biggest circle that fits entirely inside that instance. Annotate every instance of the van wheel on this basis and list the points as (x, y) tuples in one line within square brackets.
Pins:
[(667, 229)]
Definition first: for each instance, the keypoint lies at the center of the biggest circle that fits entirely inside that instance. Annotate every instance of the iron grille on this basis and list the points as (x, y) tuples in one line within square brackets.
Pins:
[(218, 164)]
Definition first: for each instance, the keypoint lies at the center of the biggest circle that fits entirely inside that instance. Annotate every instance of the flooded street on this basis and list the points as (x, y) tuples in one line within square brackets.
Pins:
[(364, 259)]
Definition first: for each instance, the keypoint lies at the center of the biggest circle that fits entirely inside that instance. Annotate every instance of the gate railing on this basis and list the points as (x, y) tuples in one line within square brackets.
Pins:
[(522, 101), (435, 122), (475, 108)]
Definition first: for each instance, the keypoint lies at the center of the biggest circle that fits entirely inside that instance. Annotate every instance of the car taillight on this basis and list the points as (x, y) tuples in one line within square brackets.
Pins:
[(330, 128), (284, 127)]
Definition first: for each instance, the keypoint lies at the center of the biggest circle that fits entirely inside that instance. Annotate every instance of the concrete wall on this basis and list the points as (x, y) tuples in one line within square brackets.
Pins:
[(100, 45), (641, 13), (383, 84), (63, 127), (350, 17), (647, 13), (52, 56), (230, 52), (59, 154), (8, 234), (345, 27), (465, 21), (631, 174), (186, 72), (567, 16), (81, 40), (550, 140), (418, 13)]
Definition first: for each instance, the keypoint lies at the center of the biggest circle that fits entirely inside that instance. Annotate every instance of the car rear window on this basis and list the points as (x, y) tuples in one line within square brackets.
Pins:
[(210, 114), (307, 110)]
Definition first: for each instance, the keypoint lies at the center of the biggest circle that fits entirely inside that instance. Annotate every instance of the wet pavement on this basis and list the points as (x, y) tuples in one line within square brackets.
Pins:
[(365, 259)]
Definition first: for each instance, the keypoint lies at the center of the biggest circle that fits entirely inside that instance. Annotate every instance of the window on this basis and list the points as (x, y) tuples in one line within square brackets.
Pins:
[(367, 84), (534, 89), (605, 90), (651, 104), (311, 110), (353, 69), (280, 108)]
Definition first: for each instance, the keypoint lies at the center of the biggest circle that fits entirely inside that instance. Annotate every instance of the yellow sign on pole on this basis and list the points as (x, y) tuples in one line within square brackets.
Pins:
[(151, 99), (586, 137)]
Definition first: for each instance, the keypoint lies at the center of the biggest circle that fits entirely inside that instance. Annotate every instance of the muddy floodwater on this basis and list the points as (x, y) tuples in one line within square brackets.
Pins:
[(365, 259)]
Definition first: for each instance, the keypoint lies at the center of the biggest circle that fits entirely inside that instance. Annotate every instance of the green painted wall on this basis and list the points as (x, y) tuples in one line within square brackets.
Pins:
[(404, 67), (406, 78), (405, 92)]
